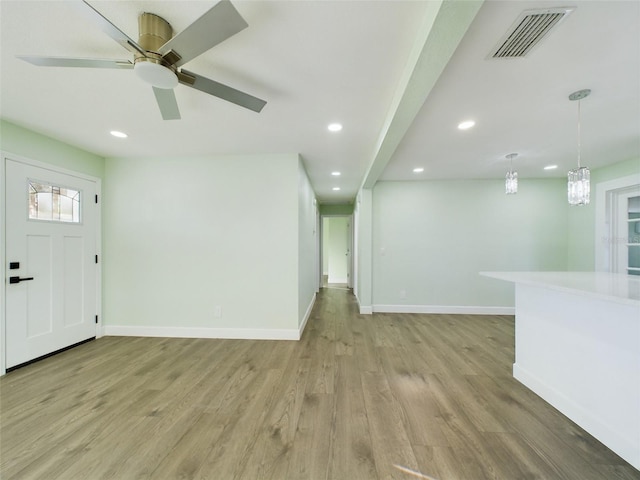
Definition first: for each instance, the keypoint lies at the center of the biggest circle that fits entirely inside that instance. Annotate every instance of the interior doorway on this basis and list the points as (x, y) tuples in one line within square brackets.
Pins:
[(336, 258)]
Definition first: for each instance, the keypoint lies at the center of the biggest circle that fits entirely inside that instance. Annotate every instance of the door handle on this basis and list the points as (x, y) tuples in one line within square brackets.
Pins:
[(18, 279)]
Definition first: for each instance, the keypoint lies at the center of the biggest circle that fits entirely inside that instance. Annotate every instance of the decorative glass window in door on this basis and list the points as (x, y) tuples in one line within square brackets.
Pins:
[(633, 241), (53, 203)]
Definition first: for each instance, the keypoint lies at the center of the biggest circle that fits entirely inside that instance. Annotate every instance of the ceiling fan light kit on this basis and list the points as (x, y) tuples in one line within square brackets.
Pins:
[(159, 56), (156, 74)]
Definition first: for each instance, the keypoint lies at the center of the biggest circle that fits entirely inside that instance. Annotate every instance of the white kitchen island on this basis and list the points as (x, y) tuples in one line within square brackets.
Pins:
[(577, 345)]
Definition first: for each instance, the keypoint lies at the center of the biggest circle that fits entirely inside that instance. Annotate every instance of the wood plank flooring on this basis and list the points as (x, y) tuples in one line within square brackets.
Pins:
[(359, 397)]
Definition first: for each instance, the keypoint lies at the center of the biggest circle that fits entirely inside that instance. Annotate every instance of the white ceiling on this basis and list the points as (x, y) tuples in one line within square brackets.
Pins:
[(316, 62), (521, 105)]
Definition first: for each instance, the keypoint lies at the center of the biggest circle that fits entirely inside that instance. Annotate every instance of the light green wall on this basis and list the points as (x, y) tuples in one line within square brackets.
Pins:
[(185, 235), (437, 235), (337, 209), (582, 220), (430, 239), (34, 146), (307, 282)]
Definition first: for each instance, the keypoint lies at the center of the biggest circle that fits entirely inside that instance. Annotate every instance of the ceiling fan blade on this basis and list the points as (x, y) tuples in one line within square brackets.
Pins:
[(76, 62), (110, 29), (219, 90), (167, 102), (219, 23)]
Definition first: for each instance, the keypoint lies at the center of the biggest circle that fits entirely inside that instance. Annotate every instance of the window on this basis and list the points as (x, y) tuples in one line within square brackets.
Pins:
[(53, 203)]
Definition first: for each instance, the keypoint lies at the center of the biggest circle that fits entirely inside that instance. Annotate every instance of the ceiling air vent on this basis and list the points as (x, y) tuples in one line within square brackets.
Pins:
[(528, 30)]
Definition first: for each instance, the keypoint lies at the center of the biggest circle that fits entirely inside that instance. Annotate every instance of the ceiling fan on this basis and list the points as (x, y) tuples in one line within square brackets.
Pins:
[(158, 57)]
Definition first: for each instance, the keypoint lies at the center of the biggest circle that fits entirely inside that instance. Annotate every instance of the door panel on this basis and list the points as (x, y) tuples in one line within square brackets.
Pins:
[(39, 258), (56, 248), (73, 278)]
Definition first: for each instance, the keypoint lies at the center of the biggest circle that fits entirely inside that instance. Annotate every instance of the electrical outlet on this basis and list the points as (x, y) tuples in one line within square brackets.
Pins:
[(217, 313), (403, 294)]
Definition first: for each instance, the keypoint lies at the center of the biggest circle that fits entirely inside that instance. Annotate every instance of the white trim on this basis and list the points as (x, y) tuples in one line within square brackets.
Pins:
[(338, 280), (100, 324), (3, 242), (201, 332), (307, 314), (446, 309), (206, 332)]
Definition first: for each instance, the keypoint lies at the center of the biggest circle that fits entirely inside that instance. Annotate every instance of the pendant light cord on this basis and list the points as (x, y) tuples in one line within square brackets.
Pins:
[(510, 157), (579, 133)]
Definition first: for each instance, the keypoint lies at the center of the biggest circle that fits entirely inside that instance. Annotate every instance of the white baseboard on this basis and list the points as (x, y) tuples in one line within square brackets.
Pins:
[(364, 309), (306, 317), (202, 332), (205, 332), (446, 309)]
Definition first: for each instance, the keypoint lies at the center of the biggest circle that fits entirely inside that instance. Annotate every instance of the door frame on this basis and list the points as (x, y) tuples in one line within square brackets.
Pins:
[(350, 242), (606, 241), (4, 156)]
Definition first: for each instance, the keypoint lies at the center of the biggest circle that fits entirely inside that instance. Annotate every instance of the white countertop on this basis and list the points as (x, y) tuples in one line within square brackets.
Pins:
[(615, 287)]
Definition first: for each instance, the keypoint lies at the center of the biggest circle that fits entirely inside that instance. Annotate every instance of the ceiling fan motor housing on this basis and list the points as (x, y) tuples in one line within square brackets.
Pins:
[(154, 32)]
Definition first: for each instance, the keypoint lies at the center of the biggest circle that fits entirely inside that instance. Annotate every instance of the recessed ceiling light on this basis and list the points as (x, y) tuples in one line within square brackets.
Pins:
[(336, 174), (118, 134), (335, 189), (551, 167), (334, 127), (466, 124), (418, 170)]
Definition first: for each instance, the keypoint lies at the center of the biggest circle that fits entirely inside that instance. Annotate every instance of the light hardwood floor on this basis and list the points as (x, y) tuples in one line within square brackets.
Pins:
[(359, 397)]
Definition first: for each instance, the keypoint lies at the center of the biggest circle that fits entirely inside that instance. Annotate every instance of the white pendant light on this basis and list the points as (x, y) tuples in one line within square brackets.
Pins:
[(578, 180), (511, 179)]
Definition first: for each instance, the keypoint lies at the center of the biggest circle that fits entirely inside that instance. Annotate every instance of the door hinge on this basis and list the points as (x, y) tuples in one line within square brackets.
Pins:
[(96, 258), (96, 318), (96, 198)]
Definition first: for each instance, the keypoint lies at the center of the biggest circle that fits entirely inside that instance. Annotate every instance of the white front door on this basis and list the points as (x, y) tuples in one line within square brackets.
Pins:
[(51, 271)]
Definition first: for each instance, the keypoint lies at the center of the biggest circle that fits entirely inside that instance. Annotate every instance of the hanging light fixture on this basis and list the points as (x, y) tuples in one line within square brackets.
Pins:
[(511, 178), (578, 180)]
